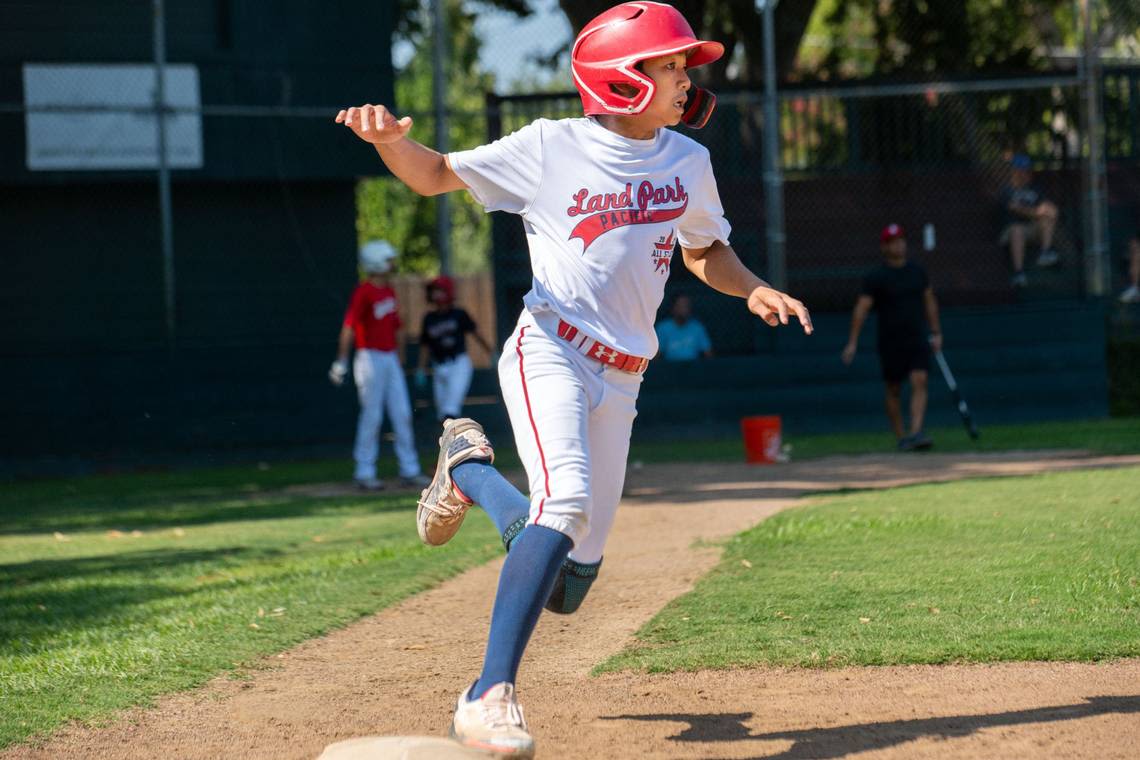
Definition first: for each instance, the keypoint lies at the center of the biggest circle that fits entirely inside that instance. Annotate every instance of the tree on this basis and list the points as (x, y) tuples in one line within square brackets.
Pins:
[(386, 208), (736, 23), (921, 39)]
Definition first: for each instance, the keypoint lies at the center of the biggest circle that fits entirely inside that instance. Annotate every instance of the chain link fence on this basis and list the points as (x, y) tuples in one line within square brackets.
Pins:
[(933, 158), (111, 311)]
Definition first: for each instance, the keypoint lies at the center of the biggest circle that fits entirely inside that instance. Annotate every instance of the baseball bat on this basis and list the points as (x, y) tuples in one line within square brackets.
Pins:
[(963, 409)]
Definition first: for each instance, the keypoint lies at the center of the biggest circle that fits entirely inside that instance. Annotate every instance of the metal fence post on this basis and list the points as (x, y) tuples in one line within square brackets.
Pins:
[(166, 215), (439, 106), (1098, 266), (773, 179)]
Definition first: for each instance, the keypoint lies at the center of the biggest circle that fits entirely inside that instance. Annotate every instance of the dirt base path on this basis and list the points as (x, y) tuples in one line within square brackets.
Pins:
[(399, 671)]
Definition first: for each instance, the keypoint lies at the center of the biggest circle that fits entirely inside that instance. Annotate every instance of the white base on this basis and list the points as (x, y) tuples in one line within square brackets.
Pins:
[(399, 748)]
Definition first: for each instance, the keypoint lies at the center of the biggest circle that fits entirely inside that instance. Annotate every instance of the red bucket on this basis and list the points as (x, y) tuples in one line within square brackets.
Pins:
[(761, 439)]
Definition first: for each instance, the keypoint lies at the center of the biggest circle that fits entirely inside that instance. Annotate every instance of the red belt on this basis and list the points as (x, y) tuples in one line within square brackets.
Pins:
[(599, 351)]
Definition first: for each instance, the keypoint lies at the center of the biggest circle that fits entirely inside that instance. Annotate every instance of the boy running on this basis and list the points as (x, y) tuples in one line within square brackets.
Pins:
[(603, 199)]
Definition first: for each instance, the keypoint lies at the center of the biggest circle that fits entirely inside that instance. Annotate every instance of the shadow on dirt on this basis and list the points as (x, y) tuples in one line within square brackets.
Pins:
[(842, 741)]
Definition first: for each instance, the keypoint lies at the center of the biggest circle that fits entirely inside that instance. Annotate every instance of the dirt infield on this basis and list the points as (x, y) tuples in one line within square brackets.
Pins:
[(399, 671)]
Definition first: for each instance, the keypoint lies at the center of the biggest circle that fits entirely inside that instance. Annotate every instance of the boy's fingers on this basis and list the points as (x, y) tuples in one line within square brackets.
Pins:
[(803, 315), (782, 308), (365, 118), (350, 116), (340, 116)]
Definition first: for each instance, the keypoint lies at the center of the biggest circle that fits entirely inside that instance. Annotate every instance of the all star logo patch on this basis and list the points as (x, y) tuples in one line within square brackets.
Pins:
[(663, 253)]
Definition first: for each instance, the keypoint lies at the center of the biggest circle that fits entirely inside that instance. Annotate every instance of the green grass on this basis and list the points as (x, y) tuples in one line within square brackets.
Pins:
[(74, 502), (94, 619), (1037, 568), (1105, 436)]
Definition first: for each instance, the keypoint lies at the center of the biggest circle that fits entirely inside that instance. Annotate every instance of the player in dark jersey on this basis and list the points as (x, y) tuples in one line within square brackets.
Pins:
[(443, 340), (899, 291)]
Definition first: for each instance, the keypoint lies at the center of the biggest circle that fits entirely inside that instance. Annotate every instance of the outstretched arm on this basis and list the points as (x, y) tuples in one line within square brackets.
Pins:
[(424, 170), (720, 268), (858, 317)]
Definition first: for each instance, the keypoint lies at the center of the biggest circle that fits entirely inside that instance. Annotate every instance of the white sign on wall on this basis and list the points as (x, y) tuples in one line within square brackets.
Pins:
[(98, 117)]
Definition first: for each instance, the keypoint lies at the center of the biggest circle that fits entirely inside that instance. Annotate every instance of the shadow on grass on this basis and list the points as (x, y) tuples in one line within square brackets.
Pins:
[(15, 574), (702, 482), (43, 599), (100, 515), (841, 741)]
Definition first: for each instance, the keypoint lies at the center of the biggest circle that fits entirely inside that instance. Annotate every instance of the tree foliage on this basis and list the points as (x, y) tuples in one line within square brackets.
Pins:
[(736, 23), (920, 39), (386, 208)]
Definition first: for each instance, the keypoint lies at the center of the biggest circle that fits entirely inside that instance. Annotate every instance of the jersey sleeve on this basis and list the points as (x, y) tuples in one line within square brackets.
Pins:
[(504, 175), (703, 222), (466, 323)]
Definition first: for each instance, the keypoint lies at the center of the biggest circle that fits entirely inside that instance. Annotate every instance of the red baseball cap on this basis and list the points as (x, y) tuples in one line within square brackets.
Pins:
[(891, 232)]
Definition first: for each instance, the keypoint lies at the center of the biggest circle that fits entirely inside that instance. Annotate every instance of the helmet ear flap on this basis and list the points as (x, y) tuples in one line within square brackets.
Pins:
[(699, 106)]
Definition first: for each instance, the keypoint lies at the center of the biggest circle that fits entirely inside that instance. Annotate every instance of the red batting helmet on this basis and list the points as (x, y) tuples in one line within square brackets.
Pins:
[(891, 232), (609, 48), (445, 285)]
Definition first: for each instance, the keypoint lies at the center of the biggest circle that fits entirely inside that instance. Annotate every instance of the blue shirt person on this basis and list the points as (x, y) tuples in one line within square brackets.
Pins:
[(681, 337)]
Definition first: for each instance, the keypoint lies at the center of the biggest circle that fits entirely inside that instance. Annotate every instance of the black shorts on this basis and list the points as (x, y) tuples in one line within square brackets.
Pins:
[(898, 361)]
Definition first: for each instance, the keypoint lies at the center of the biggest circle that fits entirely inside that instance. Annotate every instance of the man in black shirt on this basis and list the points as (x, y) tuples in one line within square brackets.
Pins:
[(444, 334), (900, 293)]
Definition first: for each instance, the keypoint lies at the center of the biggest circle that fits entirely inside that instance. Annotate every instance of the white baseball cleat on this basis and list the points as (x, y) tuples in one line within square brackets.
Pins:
[(442, 506), (493, 723)]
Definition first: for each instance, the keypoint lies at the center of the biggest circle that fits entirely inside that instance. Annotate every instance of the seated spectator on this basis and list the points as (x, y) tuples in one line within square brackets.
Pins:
[(1029, 219), (681, 337)]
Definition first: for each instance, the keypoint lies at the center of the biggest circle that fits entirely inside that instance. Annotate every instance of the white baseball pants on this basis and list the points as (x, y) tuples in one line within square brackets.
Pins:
[(380, 384), (450, 382), (572, 418)]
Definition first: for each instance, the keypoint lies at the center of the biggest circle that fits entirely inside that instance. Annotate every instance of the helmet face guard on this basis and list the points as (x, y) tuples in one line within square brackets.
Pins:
[(698, 107), (609, 48)]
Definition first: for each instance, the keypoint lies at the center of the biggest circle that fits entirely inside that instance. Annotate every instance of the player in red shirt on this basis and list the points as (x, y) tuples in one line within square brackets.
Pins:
[(372, 322)]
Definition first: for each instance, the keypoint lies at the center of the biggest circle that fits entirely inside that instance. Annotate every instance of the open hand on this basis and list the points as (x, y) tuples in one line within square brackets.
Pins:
[(773, 307), (374, 124)]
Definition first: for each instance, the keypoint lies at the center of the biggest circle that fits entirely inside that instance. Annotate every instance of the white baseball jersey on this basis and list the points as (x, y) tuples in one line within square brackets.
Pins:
[(602, 214)]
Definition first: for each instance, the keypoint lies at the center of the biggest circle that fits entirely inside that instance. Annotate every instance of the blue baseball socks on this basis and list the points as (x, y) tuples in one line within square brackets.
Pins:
[(484, 485), (525, 583)]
